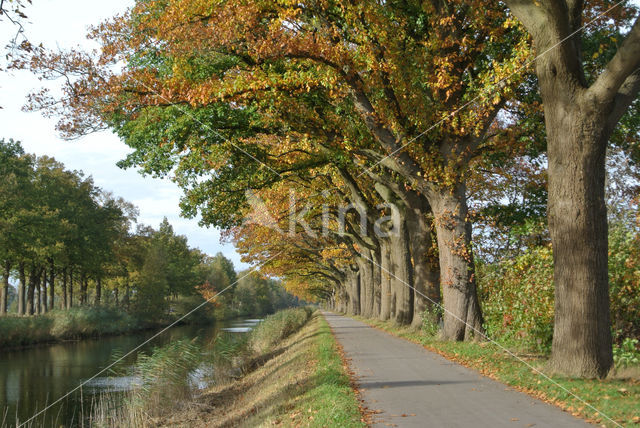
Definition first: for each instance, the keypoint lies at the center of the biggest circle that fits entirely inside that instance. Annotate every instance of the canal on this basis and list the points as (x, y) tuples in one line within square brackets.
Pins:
[(33, 378)]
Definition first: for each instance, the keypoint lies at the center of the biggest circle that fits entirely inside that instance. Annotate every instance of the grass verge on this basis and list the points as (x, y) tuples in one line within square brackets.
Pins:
[(617, 397), (302, 384)]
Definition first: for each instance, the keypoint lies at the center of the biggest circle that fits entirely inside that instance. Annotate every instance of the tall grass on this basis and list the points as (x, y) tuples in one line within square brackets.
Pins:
[(165, 376), (164, 384), (276, 327)]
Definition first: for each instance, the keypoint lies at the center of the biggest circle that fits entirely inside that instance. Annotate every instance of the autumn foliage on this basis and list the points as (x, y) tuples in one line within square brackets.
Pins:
[(371, 124)]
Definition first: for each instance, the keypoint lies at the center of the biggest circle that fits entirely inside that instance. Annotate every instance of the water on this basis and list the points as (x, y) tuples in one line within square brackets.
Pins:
[(32, 378)]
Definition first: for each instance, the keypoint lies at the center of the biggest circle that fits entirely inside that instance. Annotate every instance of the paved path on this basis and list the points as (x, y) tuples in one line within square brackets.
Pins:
[(400, 377)]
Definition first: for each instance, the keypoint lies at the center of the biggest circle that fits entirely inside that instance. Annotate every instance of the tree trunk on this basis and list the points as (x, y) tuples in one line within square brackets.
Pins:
[(402, 275), (22, 286), (115, 294), (363, 288), (377, 283), (42, 293), (426, 275), (33, 277), (52, 281), (462, 313), (582, 343), (84, 285), (70, 302), (98, 291), (385, 280), (64, 289), (127, 290), (353, 291), (341, 298), (4, 291), (365, 267), (36, 305)]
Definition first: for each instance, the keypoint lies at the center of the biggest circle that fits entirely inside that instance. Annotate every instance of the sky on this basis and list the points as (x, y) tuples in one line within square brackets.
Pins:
[(64, 24)]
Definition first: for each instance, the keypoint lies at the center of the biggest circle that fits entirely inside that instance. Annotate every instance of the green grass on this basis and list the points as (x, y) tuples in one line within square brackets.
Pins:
[(76, 323), (331, 400), (617, 397)]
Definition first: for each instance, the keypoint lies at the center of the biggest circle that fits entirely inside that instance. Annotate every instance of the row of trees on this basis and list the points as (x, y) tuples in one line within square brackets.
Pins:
[(56, 227), (387, 112), (67, 242)]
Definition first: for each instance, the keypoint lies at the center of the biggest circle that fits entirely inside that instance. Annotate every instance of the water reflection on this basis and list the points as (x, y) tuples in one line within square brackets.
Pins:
[(32, 378), (242, 326)]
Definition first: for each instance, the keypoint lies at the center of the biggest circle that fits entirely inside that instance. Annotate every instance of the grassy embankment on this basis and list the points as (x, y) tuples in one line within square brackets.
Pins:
[(287, 372), (86, 321), (76, 323), (618, 396)]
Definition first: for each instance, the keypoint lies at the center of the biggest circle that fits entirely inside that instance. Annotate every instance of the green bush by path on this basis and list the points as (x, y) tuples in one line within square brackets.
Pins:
[(517, 300), (517, 295)]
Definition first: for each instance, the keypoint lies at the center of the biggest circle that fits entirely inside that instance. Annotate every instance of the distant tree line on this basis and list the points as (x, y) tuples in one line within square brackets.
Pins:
[(66, 242)]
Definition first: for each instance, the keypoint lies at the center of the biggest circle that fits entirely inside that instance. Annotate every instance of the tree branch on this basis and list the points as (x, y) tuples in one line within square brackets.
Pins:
[(533, 16), (626, 95), (624, 63)]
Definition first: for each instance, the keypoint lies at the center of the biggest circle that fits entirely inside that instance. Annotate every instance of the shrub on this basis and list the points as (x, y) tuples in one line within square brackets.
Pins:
[(517, 300), (431, 320), (624, 281), (626, 354)]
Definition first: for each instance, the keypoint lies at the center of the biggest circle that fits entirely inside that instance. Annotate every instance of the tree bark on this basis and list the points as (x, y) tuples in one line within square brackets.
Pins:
[(52, 281), (22, 286), (84, 285), (385, 280), (377, 282), (343, 298), (70, 302), (42, 295), (402, 274), (579, 235), (462, 313), (367, 284), (353, 291), (64, 289), (400, 269), (38, 295), (98, 290), (33, 277), (4, 292), (127, 290), (425, 270)]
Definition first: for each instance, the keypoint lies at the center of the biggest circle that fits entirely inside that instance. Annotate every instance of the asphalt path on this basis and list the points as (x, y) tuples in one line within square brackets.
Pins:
[(409, 386)]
